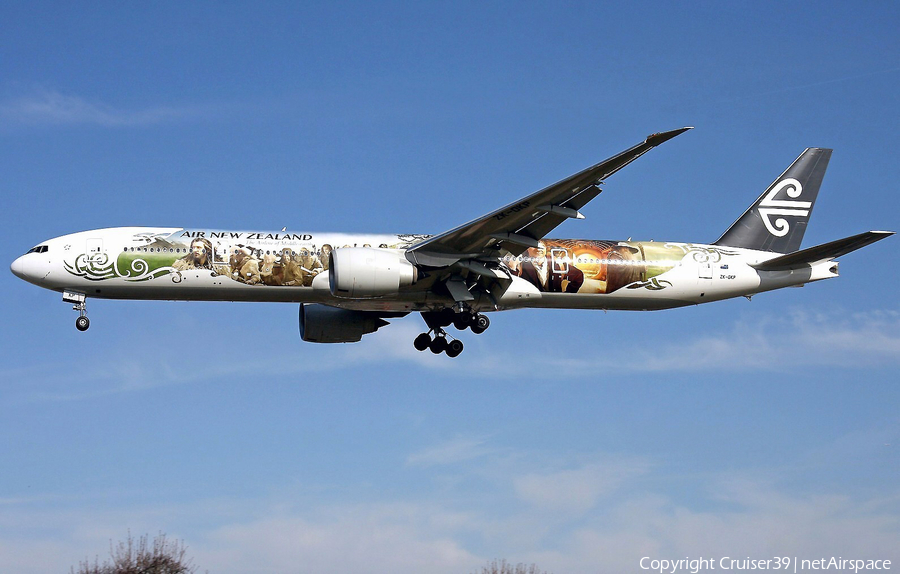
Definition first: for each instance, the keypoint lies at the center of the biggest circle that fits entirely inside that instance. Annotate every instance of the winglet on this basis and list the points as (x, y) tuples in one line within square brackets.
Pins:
[(656, 139)]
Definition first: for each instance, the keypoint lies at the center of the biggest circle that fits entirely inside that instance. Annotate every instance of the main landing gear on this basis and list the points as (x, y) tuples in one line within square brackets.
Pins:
[(437, 320), (439, 344), (78, 299)]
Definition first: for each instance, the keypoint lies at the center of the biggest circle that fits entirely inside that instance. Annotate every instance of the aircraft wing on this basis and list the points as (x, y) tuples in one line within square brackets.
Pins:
[(521, 224), (824, 252)]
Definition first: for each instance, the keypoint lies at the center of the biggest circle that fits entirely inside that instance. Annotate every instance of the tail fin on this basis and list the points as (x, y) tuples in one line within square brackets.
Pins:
[(777, 220)]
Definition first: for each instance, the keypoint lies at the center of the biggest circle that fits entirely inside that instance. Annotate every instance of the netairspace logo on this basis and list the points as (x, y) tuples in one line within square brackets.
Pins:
[(785, 563)]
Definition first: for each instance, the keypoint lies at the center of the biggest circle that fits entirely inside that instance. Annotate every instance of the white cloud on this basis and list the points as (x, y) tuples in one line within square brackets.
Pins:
[(764, 343), (738, 514), (577, 490), (247, 537), (758, 343), (374, 538), (450, 452), (762, 523), (45, 107)]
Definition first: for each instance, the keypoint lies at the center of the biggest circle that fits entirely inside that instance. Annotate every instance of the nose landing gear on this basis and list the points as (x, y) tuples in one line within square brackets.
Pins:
[(78, 299)]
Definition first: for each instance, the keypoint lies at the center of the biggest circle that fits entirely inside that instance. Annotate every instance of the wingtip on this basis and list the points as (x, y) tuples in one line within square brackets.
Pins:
[(658, 138)]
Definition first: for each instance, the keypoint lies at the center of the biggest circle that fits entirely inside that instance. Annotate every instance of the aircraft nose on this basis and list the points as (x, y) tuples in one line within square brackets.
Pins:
[(29, 268), (18, 268)]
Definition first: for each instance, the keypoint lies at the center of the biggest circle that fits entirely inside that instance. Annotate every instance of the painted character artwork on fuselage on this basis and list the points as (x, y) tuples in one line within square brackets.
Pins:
[(250, 258), (584, 266), (555, 266), (599, 267)]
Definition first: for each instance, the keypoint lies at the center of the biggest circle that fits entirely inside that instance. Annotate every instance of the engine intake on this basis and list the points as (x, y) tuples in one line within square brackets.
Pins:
[(360, 272)]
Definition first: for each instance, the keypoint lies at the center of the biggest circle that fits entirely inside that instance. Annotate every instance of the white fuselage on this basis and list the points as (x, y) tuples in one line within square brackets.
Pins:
[(174, 264)]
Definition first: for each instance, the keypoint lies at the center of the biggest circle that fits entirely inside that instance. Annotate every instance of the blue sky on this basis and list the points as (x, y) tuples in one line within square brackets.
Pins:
[(579, 441)]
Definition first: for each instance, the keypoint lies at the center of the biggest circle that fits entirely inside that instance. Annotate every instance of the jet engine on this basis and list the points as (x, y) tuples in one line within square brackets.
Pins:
[(324, 324), (360, 272)]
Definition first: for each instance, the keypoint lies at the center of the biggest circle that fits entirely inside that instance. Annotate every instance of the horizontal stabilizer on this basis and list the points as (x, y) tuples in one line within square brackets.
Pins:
[(824, 252)]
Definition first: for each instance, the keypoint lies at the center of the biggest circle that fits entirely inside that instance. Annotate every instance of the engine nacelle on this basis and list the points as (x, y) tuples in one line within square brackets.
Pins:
[(324, 324), (360, 272)]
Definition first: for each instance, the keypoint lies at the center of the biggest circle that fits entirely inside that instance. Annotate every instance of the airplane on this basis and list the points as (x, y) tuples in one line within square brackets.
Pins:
[(349, 285)]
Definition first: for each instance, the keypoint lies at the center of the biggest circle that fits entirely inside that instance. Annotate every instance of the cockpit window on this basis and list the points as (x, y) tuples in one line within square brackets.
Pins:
[(38, 249)]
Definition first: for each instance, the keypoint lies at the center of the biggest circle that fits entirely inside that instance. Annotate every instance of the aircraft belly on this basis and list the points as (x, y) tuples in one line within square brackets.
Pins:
[(608, 302), (200, 293), (770, 280), (205, 286)]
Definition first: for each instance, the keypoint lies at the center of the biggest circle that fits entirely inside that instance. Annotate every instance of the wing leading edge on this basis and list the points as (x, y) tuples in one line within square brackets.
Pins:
[(521, 224)]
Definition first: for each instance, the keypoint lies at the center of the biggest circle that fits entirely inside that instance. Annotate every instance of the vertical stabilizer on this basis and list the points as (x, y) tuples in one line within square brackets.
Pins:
[(777, 220)]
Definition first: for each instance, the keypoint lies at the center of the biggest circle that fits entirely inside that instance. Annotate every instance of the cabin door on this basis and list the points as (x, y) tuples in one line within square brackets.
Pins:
[(94, 250)]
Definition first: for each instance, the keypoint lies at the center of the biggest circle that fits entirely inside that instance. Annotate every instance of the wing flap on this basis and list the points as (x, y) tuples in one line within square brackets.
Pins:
[(541, 226)]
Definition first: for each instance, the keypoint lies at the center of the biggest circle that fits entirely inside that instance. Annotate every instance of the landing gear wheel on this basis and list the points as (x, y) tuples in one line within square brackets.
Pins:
[(82, 323), (438, 345), (481, 324), (445, 317), (454, 348), (422, 342), (464, 320)]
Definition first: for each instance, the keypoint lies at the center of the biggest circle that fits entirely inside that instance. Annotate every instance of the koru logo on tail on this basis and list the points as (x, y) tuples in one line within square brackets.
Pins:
[(770, 206)]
